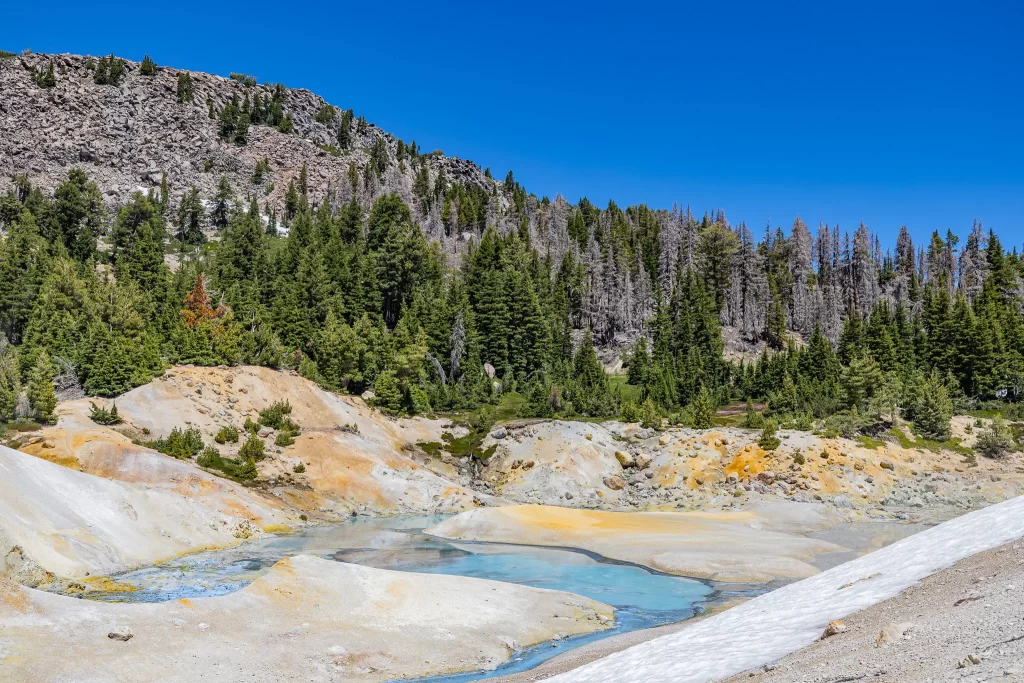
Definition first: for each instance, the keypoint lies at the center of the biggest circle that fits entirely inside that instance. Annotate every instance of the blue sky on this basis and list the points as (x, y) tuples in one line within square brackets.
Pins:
[(887, 113)]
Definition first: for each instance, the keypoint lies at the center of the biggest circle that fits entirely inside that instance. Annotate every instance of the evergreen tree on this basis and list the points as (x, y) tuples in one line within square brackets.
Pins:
[(185, 92), (703, 409), (41, 395), (148, 66), (934, 410)]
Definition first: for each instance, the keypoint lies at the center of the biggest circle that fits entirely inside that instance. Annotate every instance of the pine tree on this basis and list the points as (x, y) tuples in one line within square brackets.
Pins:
[(703, 409), (42, 396), (388, 393), (185, 91), (148, 66), (935, 409)]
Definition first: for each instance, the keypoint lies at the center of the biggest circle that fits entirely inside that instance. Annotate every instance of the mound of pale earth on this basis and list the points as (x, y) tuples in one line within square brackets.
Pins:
[(569, 463), (929, 632), (57, 523), (755, 545), (81, 444), (308, 619), (614, 465), (355, 458)]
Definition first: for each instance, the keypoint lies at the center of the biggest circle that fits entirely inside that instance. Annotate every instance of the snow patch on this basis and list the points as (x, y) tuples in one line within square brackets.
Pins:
[(773, 625)]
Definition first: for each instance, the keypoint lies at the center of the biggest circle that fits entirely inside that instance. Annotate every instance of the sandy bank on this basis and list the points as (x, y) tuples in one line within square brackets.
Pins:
[(308, 619), (754, 545)]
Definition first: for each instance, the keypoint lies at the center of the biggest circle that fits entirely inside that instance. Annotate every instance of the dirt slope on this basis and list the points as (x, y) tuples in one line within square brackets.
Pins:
[(356, 459), (58, 524)]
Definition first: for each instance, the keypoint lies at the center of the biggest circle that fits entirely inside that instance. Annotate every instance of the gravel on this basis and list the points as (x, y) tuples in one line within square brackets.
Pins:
[(965, 623)]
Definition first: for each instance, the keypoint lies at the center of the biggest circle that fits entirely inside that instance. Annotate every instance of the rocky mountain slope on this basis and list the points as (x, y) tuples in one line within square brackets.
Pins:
[(127, 136)]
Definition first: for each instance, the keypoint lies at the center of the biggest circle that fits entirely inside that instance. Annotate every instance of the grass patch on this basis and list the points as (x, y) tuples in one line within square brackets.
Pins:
[(870, 442), (431, 448), (627, 392), (929, 445)]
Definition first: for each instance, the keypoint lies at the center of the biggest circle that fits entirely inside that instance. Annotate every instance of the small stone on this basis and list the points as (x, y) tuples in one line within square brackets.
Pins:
[(589, 437), (122, 633), (887, 465), (663, 440), (833, 628), (892, 633)]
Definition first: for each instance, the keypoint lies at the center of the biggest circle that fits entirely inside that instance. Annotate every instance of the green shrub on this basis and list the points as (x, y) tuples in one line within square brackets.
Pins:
[(284, 439), (210, 458), (752, 419), (299, 469), (247, 80), (252, 449), (768, 440), (181, 444), (996, 440), (250, 426), (630, 412), (227, 434), (102, 416), (273, 416), (803, 422)]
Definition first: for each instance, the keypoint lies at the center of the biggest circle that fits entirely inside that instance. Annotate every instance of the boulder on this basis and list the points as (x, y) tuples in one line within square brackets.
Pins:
[(614, 482), (625, 458), (643, 461), (887, 465), (499, 433)]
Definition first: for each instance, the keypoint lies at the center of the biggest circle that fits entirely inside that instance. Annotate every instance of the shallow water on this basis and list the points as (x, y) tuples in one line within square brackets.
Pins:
[(643, 598)]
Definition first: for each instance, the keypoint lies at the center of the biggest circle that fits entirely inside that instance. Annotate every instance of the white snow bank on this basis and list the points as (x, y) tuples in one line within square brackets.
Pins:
[(771, 626)]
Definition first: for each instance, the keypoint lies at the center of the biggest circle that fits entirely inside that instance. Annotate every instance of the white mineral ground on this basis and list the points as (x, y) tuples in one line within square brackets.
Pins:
[(736, 546), (309, 618)]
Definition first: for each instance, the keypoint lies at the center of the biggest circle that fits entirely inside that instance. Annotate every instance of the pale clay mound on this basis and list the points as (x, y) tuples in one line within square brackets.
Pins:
[(56, 523), (308, 619), (753, 545), (370, 470)]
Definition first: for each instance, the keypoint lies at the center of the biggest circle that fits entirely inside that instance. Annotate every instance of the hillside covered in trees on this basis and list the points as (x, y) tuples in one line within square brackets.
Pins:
[(187, 218)]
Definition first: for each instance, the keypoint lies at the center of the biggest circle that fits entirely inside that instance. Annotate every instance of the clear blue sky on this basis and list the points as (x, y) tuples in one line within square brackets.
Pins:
[(887, 113)]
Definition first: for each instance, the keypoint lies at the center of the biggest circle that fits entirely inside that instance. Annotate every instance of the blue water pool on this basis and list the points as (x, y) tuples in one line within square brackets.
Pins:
[(643, 598)]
